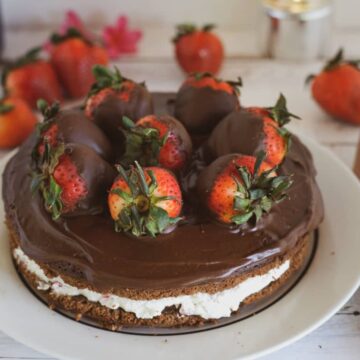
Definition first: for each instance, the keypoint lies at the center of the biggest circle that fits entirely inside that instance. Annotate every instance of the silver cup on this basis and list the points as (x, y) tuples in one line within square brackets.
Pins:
[(295, 29)]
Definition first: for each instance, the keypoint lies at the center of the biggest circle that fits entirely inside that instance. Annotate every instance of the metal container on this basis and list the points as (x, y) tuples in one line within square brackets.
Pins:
[(295, 29)]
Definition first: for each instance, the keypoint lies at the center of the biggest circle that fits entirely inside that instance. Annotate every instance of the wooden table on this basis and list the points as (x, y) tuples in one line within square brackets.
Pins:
[(339, 338)]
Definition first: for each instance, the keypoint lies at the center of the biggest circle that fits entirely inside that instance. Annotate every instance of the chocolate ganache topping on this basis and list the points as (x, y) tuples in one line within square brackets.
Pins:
[(198, 251)]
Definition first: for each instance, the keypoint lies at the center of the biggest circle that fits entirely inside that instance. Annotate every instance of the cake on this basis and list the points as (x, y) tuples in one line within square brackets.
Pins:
[(199, 265)]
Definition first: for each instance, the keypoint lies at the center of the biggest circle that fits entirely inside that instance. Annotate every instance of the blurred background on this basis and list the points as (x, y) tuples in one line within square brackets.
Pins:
[(239, 21)]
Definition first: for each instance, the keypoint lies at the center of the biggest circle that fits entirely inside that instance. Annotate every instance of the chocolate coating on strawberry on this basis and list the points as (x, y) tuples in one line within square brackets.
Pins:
[(73, 180), (157, 140), (203, 101), (251, 130), (113, 97), (71, 126)]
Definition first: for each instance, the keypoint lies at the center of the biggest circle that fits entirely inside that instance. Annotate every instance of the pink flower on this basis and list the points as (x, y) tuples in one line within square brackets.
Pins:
[(118, 39), (73, 20)]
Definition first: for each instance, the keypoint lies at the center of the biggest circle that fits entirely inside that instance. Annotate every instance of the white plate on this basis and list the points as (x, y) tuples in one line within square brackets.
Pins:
[(332, 278)]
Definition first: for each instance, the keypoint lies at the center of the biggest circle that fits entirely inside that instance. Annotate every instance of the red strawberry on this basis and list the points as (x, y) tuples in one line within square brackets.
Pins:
[(253, 129), (145, 201), (72, 179), (30, 78), (16, 122), (238, 188), (198, 50), (203, 101), (111, 97), (337, 89), (70, 126), (157, 140), (73, 58)]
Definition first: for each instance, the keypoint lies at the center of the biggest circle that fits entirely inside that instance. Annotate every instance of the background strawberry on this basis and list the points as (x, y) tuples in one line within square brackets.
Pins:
[(264, 129), (70, 126), (241, 188), (72, 179), (16, 122), (31, 78), (337, 89), (73, 57), (198, 49), (202, 101), (157, 140), (145, 201)]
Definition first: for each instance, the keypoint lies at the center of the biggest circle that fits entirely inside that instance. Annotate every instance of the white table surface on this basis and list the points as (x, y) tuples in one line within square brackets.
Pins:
[(339, 338)]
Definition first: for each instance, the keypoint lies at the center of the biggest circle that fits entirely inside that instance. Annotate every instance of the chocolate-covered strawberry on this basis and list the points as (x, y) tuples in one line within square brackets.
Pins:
[(156, 140), (203, 101), (238, 188), (251, 130), (145, 201), (112, 96), (70, 126), (73, 180)]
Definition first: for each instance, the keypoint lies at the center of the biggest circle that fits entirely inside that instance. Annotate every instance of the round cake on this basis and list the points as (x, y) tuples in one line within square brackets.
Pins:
[(234, 228)]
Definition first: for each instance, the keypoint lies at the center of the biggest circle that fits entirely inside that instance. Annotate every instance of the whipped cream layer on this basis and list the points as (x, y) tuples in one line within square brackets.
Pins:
[(208, 306)]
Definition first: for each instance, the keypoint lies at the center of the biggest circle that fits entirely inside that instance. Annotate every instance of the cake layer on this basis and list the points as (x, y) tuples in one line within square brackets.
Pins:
[(84, 304), (86, 249)]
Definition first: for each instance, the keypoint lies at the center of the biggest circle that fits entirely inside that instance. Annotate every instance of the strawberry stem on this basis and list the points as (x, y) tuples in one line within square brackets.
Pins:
[(257, 193), (280, 112), (141, 215), (105, 78)]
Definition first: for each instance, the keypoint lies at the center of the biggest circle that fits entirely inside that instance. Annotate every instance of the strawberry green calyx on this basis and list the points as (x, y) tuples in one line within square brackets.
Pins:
[(71, 33), (5, 108), (338, 59), (105, 78), (142, 144), (280, 112), (43, 179), (48, 111), (141, 214), (188, 28), (257, 193), (333, 63), (29, 57)]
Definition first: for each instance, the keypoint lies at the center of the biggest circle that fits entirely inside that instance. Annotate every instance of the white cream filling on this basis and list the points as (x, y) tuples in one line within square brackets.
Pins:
[(208, 306)]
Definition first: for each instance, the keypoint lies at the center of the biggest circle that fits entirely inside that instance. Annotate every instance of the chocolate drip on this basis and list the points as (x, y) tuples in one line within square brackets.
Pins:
[(198, 251)]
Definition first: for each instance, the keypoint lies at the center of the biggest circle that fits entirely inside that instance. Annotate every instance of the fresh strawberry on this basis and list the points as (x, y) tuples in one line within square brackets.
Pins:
[(16, 122), (72, 179), (31, 78), (198, 49), (70, 126), (240, 188), (111, 97), (253, 129), (337, 89), (73, 57), (203, 101), (145, 201), (157, 140)]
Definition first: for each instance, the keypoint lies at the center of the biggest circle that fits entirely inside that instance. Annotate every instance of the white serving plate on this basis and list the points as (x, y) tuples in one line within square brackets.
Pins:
[(330, 281)]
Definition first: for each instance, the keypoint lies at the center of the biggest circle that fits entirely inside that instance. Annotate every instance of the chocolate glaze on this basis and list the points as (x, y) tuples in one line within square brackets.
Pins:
[(75, 127), (98, 178), (201, 109), (108, 115), (242, 131), (198, 251)]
